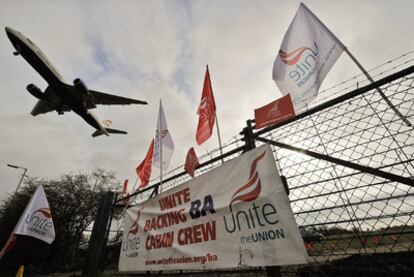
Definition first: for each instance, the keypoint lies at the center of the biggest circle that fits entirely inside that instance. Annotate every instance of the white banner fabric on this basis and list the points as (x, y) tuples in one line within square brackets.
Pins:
[(233, 216), (36, 220), (163, 144), (308, 51)]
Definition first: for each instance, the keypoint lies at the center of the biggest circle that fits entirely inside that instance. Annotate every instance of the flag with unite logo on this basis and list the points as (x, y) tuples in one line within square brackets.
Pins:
[(206, 111), (36, 221), (163, 143), (308, 51), (274, 112)]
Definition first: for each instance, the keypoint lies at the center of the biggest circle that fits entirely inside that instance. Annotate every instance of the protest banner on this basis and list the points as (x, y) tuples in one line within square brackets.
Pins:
[(233, 216)]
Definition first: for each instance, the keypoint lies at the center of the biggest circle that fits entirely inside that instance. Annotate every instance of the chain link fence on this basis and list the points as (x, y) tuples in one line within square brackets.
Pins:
[(351, 221), (342, 211)]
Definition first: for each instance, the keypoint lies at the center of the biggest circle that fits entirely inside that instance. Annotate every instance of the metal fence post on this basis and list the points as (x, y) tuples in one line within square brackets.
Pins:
[(355, 141), (98, 237), (271, 271), (248, 136)]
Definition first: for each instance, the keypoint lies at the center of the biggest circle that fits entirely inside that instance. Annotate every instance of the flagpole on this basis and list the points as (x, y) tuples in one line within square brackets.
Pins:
[(9, 240), (133, 191), (215, 118), (322, 28), (219, 138), (135, 185), (160, 140), (396, 111)]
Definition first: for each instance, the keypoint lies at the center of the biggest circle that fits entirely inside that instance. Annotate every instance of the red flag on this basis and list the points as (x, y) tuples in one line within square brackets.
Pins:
[(206, 112), (144, 169), (125, 193), (125, 188), (10, 243), (274, 112), (191, 162)]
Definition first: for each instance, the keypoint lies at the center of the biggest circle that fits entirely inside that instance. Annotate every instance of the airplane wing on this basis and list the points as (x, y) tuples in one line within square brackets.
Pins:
[(42, 107), (109, 99)]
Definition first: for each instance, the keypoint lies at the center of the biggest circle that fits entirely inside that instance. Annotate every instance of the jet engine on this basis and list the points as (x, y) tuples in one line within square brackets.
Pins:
[(36, 92), (80, 85)]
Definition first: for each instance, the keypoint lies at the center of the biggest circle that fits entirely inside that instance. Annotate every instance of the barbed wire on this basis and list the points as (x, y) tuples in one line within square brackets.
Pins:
[(342, 211), (354, 78), (209, 154)]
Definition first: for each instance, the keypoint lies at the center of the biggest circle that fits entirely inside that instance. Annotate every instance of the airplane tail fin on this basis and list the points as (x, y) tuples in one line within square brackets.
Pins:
[(98, 133)]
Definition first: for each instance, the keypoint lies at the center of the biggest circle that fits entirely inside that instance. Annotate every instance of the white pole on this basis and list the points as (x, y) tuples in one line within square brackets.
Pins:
[(219, 138), (396, 111), (135, 185), (160, 140)]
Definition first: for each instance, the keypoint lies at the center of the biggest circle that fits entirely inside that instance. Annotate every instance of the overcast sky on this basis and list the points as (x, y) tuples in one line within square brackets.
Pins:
[(153, 50)]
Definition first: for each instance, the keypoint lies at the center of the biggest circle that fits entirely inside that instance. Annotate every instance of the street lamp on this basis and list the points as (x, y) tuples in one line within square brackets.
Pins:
[(23, 175)]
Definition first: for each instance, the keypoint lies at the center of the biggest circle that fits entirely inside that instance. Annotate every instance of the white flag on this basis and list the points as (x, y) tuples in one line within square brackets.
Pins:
[(163, 145), (308, 52), (36, 220)]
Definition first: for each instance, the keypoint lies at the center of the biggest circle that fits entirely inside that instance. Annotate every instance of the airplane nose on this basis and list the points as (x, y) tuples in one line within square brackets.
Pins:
[(10, 31)]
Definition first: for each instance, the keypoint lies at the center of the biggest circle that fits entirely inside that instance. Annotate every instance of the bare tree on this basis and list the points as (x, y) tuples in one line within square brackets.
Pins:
[(73, 200)]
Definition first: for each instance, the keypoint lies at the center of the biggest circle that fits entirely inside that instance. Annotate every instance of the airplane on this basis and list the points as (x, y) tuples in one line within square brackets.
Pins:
[(60, 96)]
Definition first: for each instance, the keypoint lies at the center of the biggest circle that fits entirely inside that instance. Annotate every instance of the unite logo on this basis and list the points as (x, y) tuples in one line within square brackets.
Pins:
[(251, 190), (131, 245), (291, 58), (304, 61), (274, 111), (164, 132), (40, 221), (205, 110), (45, 212), (259, 214), (134, 226)]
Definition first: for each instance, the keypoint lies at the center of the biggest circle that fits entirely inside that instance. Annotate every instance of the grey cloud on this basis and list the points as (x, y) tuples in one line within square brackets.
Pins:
[(158, 49)]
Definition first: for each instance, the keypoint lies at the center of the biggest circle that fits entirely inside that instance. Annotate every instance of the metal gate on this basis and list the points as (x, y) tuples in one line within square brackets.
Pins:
[(349, 167)]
